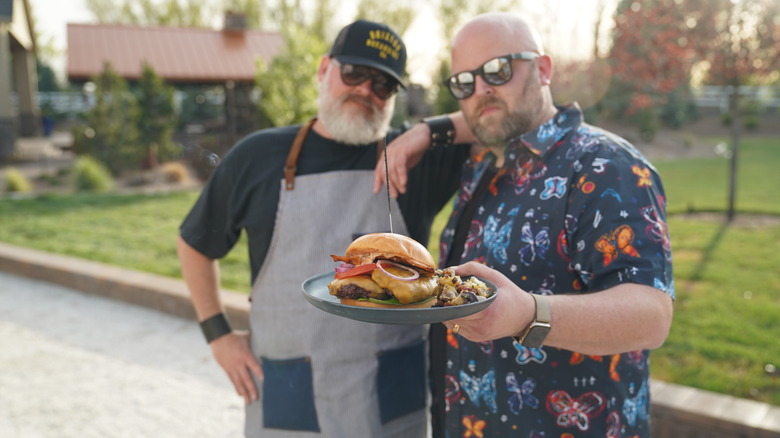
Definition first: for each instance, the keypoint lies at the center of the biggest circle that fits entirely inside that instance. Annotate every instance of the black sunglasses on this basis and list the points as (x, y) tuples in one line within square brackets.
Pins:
[(382, 84), (497, 71)]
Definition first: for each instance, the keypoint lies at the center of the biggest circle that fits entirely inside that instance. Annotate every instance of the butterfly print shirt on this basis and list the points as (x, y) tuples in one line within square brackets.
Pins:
[(574, 209)]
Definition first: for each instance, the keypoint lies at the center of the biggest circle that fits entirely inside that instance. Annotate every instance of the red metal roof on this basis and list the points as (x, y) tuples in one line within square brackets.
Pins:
[(177, 54)]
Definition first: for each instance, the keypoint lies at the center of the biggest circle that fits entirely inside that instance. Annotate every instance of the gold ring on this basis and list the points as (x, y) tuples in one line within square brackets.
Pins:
[(455, 329)]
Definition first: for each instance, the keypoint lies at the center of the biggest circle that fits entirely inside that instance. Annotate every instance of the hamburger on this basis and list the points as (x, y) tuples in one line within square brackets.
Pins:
[(385, 270)]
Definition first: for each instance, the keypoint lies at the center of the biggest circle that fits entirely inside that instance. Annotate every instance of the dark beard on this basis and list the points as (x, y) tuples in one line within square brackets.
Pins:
[(514, 124), (509, 127)]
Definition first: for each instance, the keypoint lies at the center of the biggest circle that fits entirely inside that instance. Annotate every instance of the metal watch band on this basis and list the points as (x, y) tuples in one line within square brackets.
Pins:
[(533, 336), (442, 130), (215, 327)]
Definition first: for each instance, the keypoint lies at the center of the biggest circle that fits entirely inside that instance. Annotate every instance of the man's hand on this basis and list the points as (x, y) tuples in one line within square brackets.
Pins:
[(234, 355), (403, 153), (625, 317), (497, 320)]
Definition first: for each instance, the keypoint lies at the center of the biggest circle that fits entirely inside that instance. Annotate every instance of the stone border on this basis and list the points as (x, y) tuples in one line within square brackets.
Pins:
[(140, 288), (682, 411), (678, 411)]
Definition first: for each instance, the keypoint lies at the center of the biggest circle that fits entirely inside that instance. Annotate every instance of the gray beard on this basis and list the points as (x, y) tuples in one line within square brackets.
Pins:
[(350, 126)]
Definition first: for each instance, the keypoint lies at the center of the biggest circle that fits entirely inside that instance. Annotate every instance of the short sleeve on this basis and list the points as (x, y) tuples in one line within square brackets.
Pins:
[(617, 222), (208, 227)]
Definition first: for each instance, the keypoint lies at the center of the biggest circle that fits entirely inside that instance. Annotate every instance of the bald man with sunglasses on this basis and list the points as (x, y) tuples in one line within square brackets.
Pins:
[(300, 193), (568, 220)]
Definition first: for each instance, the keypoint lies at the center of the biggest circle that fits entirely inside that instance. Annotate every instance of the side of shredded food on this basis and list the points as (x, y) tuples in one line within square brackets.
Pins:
[(456, 291)]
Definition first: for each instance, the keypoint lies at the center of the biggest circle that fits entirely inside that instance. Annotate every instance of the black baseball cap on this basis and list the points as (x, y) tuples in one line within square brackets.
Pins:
[(373, 45)]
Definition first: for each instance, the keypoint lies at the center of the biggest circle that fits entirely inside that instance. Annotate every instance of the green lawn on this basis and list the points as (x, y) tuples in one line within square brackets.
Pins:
[(725, 330)]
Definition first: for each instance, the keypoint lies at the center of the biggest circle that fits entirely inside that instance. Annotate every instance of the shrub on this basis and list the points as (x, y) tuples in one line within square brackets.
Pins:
[(725, 118), (91, 175), (175, 172), (647, 123), (751, 122), (16, 182), (751, 111)]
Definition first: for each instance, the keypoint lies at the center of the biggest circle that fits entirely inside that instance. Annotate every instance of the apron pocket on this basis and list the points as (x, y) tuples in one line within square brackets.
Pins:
[(288, 395), (401, 381)]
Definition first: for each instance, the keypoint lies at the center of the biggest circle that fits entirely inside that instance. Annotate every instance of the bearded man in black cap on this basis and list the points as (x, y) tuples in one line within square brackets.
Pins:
[(302, 193)]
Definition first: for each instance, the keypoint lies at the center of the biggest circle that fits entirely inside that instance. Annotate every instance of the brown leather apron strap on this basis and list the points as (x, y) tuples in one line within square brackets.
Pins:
[(292, 158)]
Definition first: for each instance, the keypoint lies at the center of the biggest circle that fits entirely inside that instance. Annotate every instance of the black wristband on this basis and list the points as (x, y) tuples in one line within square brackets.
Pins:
[(215, 327), (442, 130)]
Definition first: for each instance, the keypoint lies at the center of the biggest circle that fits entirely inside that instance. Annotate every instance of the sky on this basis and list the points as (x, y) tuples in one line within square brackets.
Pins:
[(571, 16), (51, 18)]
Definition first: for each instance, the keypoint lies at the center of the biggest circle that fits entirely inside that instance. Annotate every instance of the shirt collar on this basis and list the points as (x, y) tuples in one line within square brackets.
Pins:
[(540, 140)]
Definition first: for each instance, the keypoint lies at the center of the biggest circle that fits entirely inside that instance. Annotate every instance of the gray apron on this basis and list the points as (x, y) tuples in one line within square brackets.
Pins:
[(326, 375)]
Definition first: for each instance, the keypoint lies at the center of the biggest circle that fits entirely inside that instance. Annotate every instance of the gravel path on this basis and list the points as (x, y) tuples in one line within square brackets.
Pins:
[(77, 365)]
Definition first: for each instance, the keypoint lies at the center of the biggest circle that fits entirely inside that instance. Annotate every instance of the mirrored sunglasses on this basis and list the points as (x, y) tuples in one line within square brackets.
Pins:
[(497, 71), (382, 84)]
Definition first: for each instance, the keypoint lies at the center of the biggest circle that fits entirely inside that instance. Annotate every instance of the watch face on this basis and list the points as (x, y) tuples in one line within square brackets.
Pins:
[(536, 334)]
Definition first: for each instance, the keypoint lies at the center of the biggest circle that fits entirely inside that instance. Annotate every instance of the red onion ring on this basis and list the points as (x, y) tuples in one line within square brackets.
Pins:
[(344, 267), (415, 274)]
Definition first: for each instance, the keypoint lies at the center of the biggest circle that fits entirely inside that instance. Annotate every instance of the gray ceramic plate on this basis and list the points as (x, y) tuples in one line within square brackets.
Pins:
[(315, 289)]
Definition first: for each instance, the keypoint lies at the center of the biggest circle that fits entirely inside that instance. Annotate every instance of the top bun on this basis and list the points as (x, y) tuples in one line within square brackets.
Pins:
[(388, 246)]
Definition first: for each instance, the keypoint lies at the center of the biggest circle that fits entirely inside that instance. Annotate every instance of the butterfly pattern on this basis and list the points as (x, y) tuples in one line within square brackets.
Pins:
[(452, 392), (522, 393), (613, 425), (497, 236), (480, 389), (534, 244), (643, 176), (636, 407), (526, 355), (526, 169), (618, 241), (574, 210), (571, 412), (474, 427), (657, 230), (554, 187)]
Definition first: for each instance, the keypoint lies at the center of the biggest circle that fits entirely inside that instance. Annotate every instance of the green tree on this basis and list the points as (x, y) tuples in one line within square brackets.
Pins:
[(157, 116), (740, 45), (182, 13), (256, 11), (47, 79), (398, 16), (110, 134), (452, 15), (443, 102), (289, 84), (653, 51)]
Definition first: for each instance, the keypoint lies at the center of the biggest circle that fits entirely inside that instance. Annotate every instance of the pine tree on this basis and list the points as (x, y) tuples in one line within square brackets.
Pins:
[(157, 117), (110, 134)]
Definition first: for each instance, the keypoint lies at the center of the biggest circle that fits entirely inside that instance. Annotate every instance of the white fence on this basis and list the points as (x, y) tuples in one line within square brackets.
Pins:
[(76, 102), (718, 97)]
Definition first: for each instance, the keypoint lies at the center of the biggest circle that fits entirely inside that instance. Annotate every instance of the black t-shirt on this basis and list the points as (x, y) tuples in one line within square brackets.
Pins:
[(243, 192)]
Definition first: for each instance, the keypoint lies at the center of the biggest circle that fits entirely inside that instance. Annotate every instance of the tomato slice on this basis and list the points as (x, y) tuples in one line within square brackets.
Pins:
[(357, 270)]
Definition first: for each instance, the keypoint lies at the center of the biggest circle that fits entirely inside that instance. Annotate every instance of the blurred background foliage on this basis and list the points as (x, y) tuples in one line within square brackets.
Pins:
[(647, 60)]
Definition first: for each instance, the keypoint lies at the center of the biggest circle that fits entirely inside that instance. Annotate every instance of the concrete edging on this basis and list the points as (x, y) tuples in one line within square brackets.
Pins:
[(140, 288), (678, 411)]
